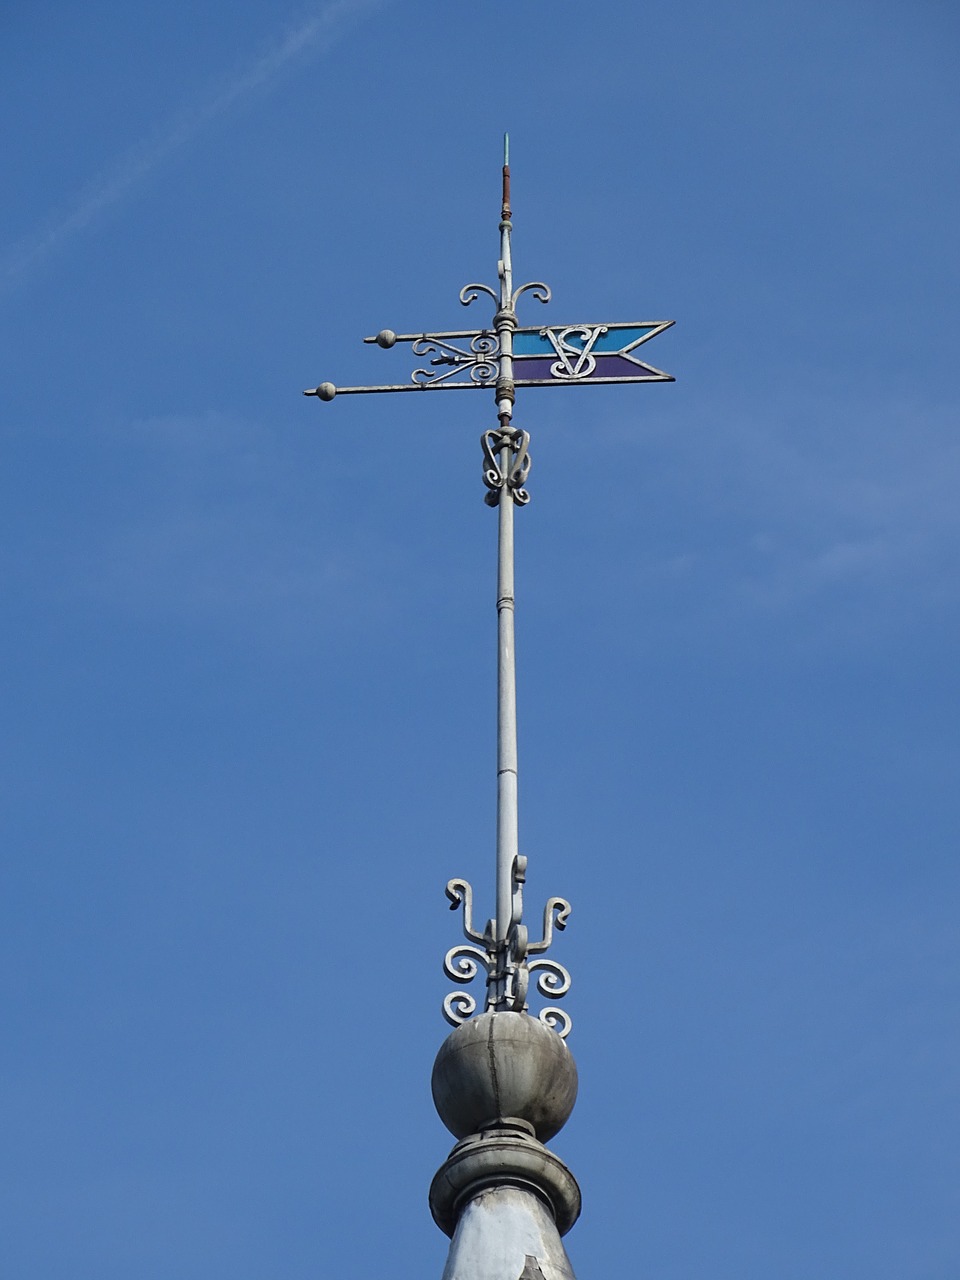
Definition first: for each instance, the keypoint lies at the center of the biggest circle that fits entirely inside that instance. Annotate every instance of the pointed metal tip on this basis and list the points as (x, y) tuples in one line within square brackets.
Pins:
[(505, 214)]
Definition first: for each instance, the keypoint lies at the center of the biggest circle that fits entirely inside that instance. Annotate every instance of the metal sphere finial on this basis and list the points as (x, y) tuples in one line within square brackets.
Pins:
[(501, 1069)]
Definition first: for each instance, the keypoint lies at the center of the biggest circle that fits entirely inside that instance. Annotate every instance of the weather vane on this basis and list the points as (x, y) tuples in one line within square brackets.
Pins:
[(505, 357)]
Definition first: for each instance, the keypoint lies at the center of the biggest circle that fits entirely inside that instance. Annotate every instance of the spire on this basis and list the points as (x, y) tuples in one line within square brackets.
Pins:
[(504, 1082)]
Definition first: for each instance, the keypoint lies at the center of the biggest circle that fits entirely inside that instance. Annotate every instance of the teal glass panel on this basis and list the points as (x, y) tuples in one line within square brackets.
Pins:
[(617, 339), (532, 344)]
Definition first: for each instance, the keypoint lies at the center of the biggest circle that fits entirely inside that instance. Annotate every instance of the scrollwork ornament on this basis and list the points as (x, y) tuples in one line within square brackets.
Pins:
[(471, 292), (518, 984), (479, 362), (557, 1020), (492, 475), (574, 361), (518, 879), (552, 978), (518, 943), (539, 290), (460, 892), (518, 468), (507, 964), (458, 1006), (555, 915), (463, 962), (484, 372)]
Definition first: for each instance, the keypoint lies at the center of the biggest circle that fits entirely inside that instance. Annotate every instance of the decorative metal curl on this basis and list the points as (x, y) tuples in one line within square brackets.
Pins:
[(518, 469), (462, 963), (507, 963), (458, 1006), (554, 980), (555, 914), (492, 475), (471, 292), (557, 1020), (574, 361), (518, 879), (518, 943), (461, 892), (517, 983), (539, 290), (480, 361)]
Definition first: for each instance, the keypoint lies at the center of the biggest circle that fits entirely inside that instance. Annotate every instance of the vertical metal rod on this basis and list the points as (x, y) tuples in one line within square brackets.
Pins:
[(507, 791)]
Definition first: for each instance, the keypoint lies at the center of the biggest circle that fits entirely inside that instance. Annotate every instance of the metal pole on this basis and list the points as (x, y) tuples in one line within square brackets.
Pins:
[(504, 948), (507, 797), (507, 800)]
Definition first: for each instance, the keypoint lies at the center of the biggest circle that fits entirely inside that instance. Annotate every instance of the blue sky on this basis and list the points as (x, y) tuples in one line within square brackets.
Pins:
[(248, 728)]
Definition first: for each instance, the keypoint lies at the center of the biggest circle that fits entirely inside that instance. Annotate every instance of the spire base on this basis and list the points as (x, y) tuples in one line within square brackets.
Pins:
[(497, 1159), (507, 1234)]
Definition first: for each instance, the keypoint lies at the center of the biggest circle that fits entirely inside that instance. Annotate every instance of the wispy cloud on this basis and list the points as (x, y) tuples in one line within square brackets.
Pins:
[(315, 34)]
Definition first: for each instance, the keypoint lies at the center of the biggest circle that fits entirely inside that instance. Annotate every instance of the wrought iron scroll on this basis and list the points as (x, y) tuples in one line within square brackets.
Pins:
[(506, 966), (471, 292), (574, 361), (460, 893), (539, 290), (480, 361), (514, 477)]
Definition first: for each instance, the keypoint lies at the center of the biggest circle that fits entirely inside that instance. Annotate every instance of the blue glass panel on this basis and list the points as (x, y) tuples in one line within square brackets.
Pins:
[(617, 339), (532, 344)]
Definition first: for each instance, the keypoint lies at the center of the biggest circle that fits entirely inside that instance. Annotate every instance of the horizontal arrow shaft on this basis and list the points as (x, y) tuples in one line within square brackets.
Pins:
[(452, 333), (403, 386), (486, 386)]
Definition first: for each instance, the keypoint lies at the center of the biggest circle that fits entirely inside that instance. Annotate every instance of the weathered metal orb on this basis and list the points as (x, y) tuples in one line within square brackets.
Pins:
[(500, 1067), (386, 338), (326, 390)]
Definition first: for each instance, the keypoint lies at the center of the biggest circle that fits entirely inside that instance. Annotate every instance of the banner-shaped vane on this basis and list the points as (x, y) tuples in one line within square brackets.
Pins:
[(560, 355), (552, 356)]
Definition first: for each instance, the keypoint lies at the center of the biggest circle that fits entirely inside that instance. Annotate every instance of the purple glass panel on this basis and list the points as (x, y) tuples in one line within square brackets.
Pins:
[(533, 368), (607, 367)]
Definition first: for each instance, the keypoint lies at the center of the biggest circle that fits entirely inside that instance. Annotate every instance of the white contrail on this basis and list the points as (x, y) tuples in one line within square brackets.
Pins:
[(312, 36)]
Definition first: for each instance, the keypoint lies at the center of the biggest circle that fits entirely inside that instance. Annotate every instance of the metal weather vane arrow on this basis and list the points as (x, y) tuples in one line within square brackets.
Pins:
[(549, 356), (504, 357)]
